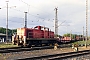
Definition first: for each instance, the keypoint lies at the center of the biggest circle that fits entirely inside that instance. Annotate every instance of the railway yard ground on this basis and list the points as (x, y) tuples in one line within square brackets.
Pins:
[(36, 53), (30, 53), (7, 45)]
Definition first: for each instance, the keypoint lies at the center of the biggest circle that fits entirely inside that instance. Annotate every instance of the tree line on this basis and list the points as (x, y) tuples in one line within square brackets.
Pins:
[(73, 36), (10, 31)]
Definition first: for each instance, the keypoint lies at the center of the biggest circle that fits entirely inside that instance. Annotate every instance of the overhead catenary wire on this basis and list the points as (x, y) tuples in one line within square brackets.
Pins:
[(43, 19), (24, 2), (33, 6), (40, 18), (31, 14)]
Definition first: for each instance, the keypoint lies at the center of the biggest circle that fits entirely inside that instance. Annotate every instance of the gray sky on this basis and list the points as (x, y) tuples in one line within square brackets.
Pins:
[(41, 12)]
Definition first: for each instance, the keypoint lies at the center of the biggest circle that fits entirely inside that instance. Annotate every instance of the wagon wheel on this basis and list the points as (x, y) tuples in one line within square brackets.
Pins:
[(50, 44)]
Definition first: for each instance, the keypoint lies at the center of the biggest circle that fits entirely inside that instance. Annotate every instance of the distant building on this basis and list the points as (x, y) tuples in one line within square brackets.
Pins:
[(3, 37)]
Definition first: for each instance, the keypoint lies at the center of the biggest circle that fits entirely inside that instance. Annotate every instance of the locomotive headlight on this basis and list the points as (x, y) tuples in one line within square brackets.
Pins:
[(20, 41)]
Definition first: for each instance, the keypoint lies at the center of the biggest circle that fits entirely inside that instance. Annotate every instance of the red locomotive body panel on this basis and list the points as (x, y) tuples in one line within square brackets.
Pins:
[(29, 33), (35, 33), (21, 32), (51, 34), (46, 34)]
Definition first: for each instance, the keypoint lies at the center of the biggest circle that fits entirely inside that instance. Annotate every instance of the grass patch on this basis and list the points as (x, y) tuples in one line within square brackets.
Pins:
[(81, 42), (4, 45)]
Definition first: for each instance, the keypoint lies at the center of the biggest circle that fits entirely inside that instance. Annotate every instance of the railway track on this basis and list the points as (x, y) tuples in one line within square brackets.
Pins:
[(19, 49), (58, 56), (40, 53)]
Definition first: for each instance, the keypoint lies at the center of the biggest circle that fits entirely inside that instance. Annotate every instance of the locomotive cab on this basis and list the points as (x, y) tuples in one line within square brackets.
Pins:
[(19, 38)]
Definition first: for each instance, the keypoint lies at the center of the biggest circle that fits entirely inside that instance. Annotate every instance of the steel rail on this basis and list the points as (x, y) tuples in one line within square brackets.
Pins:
[(58, 56)]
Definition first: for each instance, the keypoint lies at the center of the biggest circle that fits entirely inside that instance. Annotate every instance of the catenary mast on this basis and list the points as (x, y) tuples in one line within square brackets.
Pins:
[(56, 22)]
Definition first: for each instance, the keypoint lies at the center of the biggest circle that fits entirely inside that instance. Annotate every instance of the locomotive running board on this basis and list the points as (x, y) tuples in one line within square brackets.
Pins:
[(42, 39)]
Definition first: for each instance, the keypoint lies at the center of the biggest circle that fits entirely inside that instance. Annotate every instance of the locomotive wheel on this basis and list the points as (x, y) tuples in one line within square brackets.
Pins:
[(21, 45), (43, 44), (50, 45), (14, 43), (55, 44)]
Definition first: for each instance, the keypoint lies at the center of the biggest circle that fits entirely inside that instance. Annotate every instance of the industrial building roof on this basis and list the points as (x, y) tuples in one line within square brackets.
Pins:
[(2, 34)]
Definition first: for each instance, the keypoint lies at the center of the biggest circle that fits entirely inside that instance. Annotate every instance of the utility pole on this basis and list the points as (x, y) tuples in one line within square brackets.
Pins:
[(56, 22), (86, 23), (83, 33), (25, 20), (71, 34), (7, 23)]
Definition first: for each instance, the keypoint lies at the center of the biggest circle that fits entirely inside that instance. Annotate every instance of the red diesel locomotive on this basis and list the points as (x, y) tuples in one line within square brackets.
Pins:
[(38, 35)]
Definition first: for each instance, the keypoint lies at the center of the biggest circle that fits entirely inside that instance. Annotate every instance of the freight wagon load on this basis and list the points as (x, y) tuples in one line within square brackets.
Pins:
[(38, 35)]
